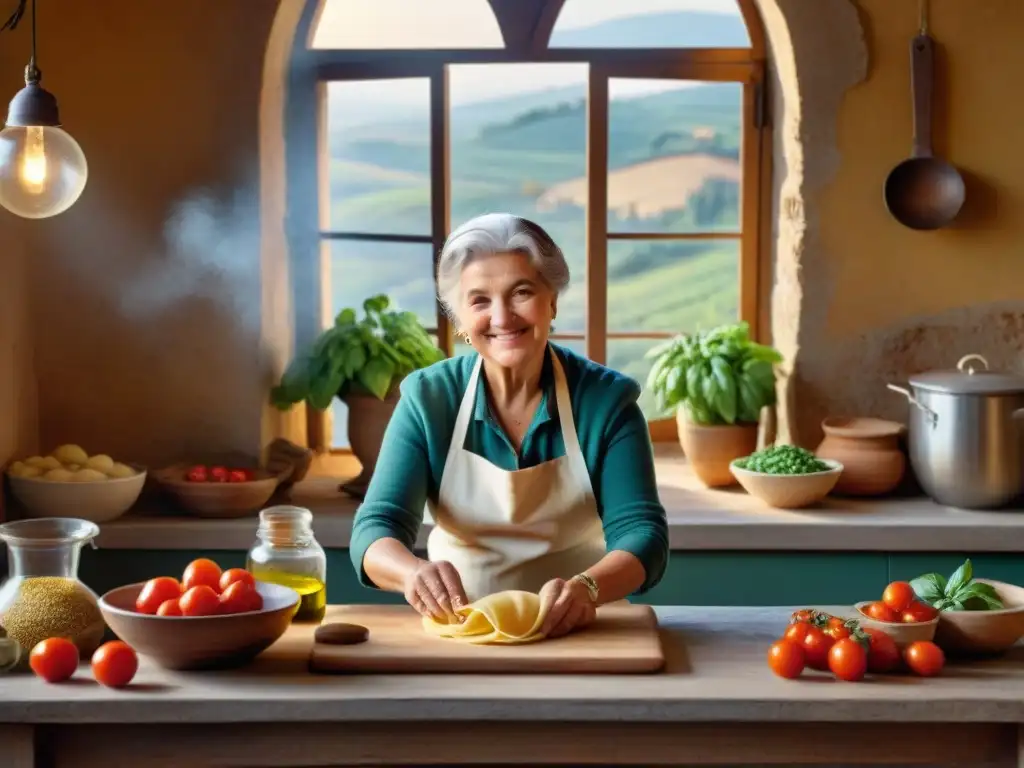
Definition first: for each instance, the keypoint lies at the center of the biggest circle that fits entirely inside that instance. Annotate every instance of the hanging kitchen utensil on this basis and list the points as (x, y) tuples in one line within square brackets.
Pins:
[(923, 192)]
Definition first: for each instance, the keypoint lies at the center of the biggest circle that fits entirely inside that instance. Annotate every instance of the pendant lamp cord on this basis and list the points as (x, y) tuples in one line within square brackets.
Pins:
[(32, 73)]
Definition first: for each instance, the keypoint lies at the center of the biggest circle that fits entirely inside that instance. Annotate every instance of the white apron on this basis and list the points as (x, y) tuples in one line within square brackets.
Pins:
[(515, 530)]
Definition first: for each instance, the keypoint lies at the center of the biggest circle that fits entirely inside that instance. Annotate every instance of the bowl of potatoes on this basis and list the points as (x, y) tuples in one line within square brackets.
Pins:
[(70, 483)]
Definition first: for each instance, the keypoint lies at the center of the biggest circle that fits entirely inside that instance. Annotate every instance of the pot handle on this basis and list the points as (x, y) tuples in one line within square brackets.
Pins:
[(933, 417)]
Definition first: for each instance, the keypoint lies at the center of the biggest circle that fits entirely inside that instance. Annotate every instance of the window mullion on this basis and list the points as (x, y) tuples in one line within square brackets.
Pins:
[(440, 185), (596, 304)]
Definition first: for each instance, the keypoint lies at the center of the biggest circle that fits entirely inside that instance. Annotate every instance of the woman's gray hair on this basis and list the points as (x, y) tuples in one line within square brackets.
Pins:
[(498, 233)]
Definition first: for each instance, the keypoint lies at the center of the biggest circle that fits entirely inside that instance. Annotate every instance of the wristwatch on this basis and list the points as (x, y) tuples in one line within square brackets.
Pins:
[(590, 584)]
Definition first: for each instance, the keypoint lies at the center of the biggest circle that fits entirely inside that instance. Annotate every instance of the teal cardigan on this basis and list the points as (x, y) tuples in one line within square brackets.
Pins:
[(613, 436)]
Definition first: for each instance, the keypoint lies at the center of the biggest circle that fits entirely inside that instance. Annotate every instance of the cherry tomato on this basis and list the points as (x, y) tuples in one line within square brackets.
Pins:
[(197, 474), (55, 659), (231, 575), (924, 658), (848, 659), (201, 572), (796, 632), (879, 611), (786, 659), (883, 654), (898, 595), (240, 597), (155, 593), (816, 646), (238, 476), (836, 628), (803, 615), (219, 474), (169, 608), (114, 664), (918, 612), (200, 601)]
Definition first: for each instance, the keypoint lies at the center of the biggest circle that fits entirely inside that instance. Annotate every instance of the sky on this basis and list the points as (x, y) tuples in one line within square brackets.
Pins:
[(428, 24)]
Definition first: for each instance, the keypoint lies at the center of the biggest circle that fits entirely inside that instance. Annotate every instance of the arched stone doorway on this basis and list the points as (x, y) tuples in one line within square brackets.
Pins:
[(815, 53)]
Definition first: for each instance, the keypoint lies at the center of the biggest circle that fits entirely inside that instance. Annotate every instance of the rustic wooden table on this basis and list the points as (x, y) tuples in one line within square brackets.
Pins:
[(716, 704)]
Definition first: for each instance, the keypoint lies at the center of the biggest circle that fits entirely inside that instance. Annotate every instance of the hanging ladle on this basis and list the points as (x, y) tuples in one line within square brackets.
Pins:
[(923, 192)]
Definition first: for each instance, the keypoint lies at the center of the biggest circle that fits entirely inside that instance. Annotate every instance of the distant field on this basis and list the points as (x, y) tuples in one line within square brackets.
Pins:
[(647, 189)]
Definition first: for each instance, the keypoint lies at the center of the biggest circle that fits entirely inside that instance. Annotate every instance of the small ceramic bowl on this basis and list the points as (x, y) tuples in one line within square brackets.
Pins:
[(98, 501), (220, 500), (200, 642), (789, 491), (902, 633), (984, 632)]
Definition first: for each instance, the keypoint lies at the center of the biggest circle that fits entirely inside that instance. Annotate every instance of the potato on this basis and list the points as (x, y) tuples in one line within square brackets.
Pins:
[(43, 462), (59, 475), (21, 469), (72, 467), (88, 476), (100, 462), (120, 470), (70, 454)]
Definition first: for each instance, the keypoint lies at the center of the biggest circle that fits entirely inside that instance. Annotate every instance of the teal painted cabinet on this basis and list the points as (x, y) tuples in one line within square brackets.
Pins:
[(693, 578)]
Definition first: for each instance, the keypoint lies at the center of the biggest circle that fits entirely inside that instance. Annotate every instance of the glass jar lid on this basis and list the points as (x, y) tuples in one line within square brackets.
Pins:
[(969, 378)]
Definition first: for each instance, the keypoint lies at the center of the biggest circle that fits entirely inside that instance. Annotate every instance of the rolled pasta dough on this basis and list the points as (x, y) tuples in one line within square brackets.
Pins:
[(511, 617)]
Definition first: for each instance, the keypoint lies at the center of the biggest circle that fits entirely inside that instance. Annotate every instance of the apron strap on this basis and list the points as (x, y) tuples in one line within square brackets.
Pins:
[(464, 416), (573, 452)]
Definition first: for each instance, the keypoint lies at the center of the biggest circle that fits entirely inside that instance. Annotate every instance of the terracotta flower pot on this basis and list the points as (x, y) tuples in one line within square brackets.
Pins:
[(710, 449), (869, 450), (368, 417)]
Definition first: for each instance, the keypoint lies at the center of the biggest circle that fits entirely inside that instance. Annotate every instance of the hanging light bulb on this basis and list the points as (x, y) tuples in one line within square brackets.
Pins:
[(42, 169)]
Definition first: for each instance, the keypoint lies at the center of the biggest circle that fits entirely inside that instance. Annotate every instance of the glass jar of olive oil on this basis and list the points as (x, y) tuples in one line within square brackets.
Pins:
[(287, 553)]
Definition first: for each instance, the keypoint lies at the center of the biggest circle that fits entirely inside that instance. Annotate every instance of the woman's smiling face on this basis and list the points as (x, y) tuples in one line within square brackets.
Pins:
[(506, 308)]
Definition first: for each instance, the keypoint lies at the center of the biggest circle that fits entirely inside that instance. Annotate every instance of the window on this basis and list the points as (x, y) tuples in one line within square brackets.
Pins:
[(633, 136)]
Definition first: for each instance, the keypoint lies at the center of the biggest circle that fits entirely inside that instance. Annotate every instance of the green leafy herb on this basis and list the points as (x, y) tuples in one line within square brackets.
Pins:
[(957, 593), (720, 376), (369, 355)]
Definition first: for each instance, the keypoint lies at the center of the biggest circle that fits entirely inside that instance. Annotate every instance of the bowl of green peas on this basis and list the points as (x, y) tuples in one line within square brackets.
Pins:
[(786, 476)]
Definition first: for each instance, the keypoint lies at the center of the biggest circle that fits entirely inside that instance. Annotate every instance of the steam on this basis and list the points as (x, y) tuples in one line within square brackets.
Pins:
[(211, 251)]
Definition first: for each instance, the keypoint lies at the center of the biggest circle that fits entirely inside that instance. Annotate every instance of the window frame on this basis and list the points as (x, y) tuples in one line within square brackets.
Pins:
[(307, 224)]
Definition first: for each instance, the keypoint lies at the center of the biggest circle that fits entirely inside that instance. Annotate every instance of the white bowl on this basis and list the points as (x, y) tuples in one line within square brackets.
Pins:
[(789, 491), (98, 501)]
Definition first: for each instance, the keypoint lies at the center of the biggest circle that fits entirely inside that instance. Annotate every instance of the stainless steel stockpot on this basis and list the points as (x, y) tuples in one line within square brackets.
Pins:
[(966, 434)]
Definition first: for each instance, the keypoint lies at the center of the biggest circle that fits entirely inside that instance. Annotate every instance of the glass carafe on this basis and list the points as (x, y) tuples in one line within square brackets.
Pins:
[(42, 596), (287, 553)]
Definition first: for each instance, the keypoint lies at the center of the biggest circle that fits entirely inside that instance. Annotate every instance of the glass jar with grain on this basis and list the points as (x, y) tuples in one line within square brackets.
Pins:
[(42, 596)]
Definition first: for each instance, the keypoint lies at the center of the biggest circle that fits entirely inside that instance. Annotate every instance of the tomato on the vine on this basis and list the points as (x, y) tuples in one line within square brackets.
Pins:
[(802, 616), (816, 647), (848, 659), (786, 658), (883, 654), (796, 632), (836, 628)]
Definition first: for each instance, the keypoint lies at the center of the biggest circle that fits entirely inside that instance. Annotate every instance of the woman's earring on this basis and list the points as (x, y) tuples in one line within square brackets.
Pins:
[(465, 336)]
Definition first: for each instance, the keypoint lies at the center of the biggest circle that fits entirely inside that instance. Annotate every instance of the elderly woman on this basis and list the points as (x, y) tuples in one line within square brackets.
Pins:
[(535, 462)]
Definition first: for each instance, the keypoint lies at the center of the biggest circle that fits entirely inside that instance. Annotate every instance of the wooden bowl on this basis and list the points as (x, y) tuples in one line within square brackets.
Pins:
[(219, 500), (903, 634), (200, 642), (789, 491), (984, 632), (98, 501)]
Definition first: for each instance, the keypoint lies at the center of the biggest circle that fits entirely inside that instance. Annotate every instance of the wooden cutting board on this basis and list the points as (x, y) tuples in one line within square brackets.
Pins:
[(623, 639)]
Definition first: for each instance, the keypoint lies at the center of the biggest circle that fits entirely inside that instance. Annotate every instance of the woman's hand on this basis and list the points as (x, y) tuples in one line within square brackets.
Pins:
[(571, 607), (435, 590)]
